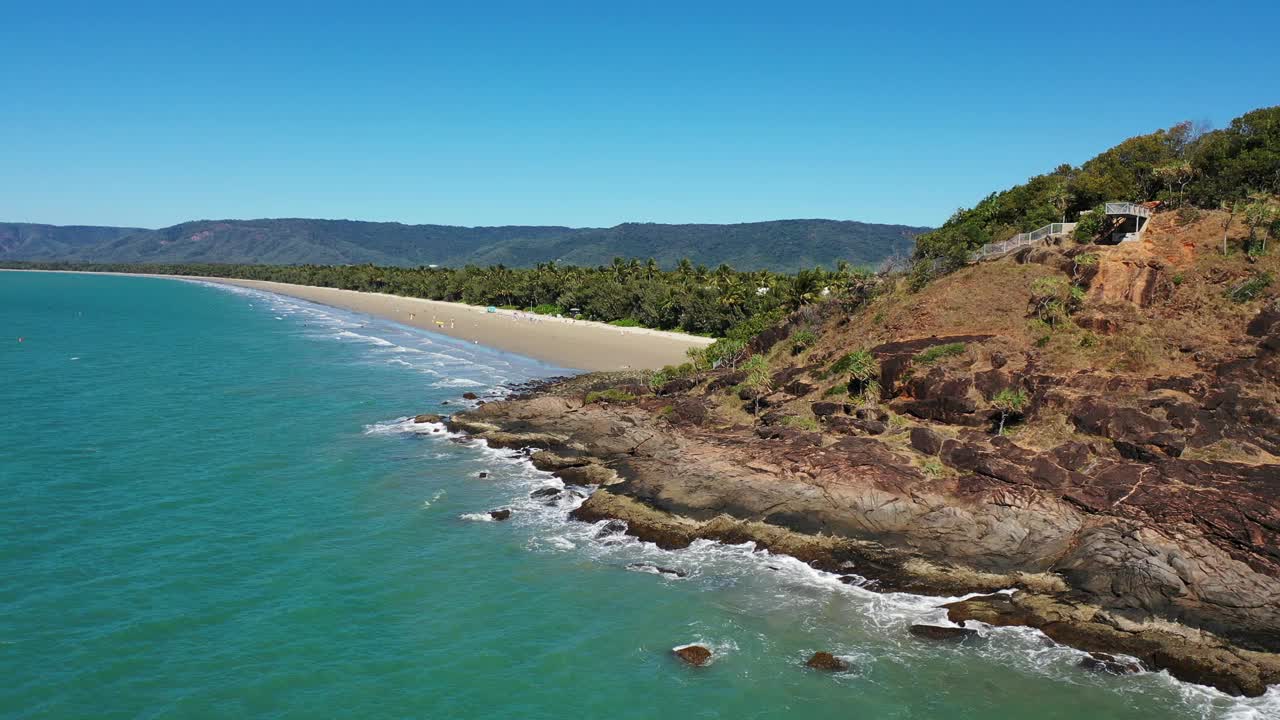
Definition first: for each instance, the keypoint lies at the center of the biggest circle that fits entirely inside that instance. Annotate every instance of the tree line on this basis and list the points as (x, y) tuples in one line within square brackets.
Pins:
[(690, 298)]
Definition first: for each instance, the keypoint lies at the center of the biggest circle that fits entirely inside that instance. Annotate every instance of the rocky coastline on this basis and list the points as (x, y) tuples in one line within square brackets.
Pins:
[(1117, 541)]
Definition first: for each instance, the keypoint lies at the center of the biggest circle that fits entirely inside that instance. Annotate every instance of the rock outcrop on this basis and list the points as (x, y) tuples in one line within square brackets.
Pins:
[(1144, 520)]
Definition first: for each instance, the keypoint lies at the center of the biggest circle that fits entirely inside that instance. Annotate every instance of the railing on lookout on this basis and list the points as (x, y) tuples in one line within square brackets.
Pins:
[(1128, 208), (1052, 230)]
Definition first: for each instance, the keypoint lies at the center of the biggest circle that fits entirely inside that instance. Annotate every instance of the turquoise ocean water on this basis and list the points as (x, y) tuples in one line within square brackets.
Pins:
[(212, 508)]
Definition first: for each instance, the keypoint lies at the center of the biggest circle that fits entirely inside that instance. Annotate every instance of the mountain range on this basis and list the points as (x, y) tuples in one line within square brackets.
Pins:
[(781, 245)]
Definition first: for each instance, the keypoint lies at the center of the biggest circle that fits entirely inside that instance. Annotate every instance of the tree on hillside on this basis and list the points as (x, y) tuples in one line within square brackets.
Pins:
[(1061, 198), (1262, 211), (758, 381), (1009, 403), (1176, 174)]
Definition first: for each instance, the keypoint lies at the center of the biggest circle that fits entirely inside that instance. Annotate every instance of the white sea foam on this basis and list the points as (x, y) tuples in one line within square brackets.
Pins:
[(455, 382), (428, 503), (477, 517), (406, 426)]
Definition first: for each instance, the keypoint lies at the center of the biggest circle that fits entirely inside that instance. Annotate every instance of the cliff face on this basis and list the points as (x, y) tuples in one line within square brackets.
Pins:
[(1134, 499)]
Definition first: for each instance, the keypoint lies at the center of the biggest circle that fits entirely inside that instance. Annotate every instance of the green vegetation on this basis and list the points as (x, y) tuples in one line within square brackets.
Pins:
[(938, 352), (933, 468), (803, 423), (1251, 289), (1009, 402), (802, 340), (1055, 300), (859, 364), (759, 379), (611, 395), (694, 299), (1179, 166)]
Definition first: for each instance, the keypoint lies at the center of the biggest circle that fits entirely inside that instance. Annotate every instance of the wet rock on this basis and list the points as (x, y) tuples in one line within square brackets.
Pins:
[(925, 440), (942, 632), (470, 396), (1104, 663), (545, 493), (695, 655), (611, 527), (426, 418), (482, 474), (657, 569), (826, 661), (500, 515)]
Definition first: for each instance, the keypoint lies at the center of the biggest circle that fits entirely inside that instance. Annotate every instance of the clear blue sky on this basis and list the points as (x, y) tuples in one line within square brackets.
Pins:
[(594, 113)]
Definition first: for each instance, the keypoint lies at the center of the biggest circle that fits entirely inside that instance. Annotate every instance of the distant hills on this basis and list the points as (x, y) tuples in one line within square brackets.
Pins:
[(781, 245)]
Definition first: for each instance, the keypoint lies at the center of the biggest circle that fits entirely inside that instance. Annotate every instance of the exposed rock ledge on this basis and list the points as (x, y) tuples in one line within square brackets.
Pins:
[(1097, 564)]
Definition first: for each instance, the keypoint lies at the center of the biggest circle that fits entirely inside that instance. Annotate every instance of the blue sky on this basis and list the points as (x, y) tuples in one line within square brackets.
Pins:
[(591, 113)]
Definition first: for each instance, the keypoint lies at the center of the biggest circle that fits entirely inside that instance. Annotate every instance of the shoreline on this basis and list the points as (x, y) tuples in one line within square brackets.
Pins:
[(571, 344)]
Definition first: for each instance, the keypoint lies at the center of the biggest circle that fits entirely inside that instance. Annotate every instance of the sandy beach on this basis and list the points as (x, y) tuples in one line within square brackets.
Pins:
[(575, 344)]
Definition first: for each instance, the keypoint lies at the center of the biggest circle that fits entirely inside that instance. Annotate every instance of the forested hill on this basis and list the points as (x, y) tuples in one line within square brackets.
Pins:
[(780, 245), (29, 240)]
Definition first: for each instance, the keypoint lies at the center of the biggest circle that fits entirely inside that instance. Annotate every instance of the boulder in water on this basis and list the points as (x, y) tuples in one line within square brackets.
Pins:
[(426, 418), (657, 569), (826, 661), (942, 632), (482, 474), (1104, 663), (612, 527), (695, 655), (545, 493), (500, 515), (469, 396)]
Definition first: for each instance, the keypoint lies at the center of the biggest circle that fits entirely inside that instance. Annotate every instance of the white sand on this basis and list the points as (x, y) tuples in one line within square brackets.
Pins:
[(567, 343)]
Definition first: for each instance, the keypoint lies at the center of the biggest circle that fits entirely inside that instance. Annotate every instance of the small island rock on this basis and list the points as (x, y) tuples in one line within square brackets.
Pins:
[(826, 661), (695, 655)]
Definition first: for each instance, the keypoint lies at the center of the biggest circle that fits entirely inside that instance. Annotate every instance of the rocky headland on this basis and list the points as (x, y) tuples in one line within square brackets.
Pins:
[(1114, 467)]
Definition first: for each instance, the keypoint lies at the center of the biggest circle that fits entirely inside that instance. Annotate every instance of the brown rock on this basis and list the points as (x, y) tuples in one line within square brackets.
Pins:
[(826, 661), (827, 409), (426, 418), (469, 396), (925, 440), (695, 655), (500, 514)]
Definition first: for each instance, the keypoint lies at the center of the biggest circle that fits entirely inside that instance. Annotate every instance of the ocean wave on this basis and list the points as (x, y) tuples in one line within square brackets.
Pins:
[(371, 339), (455, 382), (406, 426)]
